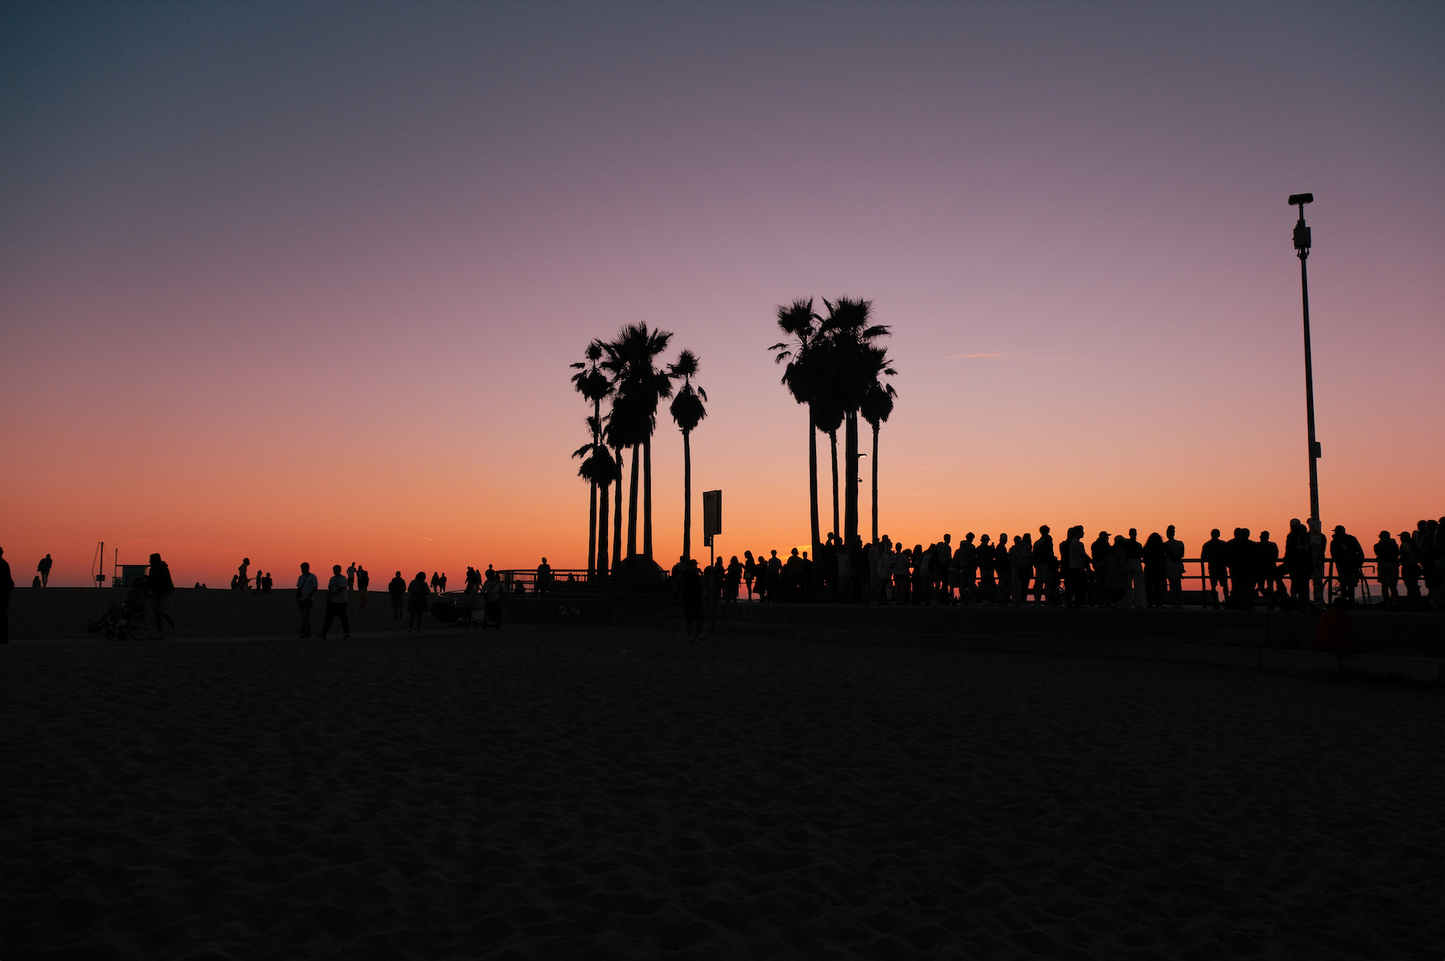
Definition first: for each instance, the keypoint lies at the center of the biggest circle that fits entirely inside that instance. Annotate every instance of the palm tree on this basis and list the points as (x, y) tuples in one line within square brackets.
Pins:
[(877, 406), (593, 385), (600, 470), (853, 365), (639, 387), (687, 412), (797, 322)]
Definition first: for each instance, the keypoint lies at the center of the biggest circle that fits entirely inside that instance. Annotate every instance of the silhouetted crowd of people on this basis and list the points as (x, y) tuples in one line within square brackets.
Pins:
[(1111, 570)]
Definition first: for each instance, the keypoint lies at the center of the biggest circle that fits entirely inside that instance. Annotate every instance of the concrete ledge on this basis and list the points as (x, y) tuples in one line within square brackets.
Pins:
[(1420, 669)]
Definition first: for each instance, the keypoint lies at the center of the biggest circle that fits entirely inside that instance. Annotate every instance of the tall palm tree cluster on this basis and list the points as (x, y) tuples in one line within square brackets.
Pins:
[(625, 373), (836, 365)]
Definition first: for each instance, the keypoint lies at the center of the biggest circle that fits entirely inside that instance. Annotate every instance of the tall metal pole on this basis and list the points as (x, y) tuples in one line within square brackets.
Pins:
[(1302, 248)]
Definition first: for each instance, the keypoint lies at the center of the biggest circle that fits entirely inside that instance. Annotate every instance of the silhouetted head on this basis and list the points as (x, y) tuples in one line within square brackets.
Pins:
[(795, 552), (948, 538), (306, 568), (1155, 540), (1118, 540), (398, 573), (1384, 535), (1339, 528), (1214, 534), (1044, 529), (983, 539), (155, 557), (421, 575), (969, 537), (245, 560), (1264, 537), (1169, 531), (336, 568), (775, 553)]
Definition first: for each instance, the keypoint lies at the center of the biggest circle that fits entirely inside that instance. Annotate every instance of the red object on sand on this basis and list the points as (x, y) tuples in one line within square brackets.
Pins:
[(1335, 632)]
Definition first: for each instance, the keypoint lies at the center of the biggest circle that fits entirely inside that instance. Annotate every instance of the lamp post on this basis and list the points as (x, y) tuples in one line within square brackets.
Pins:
[(1302, 248)]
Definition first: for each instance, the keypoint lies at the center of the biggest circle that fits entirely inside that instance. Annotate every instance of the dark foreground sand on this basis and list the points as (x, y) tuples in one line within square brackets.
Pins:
[(606, 793)]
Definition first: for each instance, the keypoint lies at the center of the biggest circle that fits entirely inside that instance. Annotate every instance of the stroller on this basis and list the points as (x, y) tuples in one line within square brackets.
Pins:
[(126, 620), (455, 615)]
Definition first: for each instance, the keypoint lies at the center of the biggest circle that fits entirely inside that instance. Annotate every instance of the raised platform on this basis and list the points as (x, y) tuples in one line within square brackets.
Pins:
[(1405, 644)]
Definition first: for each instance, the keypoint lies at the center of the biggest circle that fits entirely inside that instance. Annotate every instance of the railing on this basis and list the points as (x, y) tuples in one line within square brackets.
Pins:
[(523, 581)]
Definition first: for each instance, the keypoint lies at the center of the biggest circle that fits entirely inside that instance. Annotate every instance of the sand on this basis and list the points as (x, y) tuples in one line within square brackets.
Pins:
[(608, 793)]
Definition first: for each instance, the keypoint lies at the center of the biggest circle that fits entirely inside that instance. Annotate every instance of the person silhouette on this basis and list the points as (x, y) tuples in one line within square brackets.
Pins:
[(1387, 569), (161, 587), (363, 581), (1099, 552), (351, 577), (396, 590), (242, 579), (306, 586), (1174, 567), (7, 587), (43, 569), (1270, 581), (419, 593), (337, 593), (1409, 567), (750, 571), (1212, 555), (1349, 560), (1155, 576), (544, 577), (1046, 566)]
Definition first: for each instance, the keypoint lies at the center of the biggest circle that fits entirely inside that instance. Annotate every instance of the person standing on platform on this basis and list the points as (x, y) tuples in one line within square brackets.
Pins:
[(491, 599), (1174, 567), (1387, 569), (43, 569), (1297, 562), (1213, 556), (351, 576), (161, 588), (337, 595), (306, 586), (1349, 558), (1318, 543), (242, 578), (7, 586), (544, 577)]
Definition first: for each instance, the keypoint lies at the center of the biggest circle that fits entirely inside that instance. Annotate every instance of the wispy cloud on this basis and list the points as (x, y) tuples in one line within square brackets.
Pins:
[(1000, 353)]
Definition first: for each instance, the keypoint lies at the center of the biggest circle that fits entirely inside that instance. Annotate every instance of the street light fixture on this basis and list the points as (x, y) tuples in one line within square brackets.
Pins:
[(1302, 248)]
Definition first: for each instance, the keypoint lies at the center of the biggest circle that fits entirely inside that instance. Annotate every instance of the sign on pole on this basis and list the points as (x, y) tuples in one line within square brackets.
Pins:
[(711, 515)]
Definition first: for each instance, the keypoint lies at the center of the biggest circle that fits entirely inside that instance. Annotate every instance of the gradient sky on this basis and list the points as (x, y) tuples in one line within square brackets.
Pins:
[(303, 281)]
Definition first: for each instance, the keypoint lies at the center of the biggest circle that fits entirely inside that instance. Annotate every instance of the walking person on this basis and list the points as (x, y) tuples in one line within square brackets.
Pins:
[(306, 586), (7, 586), (43, 569), (418, 594), (161, 588), (491, 599), (337, 593), (242, 578), (396, 590)]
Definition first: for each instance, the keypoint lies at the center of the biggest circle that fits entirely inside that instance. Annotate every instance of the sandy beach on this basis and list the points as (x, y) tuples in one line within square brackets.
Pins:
[(605, 793)]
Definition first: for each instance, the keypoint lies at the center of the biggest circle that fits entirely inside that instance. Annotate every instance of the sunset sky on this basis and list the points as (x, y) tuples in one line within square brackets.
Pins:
[(303, 281)]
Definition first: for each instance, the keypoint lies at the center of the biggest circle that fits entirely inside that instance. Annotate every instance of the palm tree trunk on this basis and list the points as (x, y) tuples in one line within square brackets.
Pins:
[(686, 496), (617, 515), (592, 534), (850, 474), (813, 478), (875, 483), (647, 498), (632, 507), (833, 439), (601, 572)]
